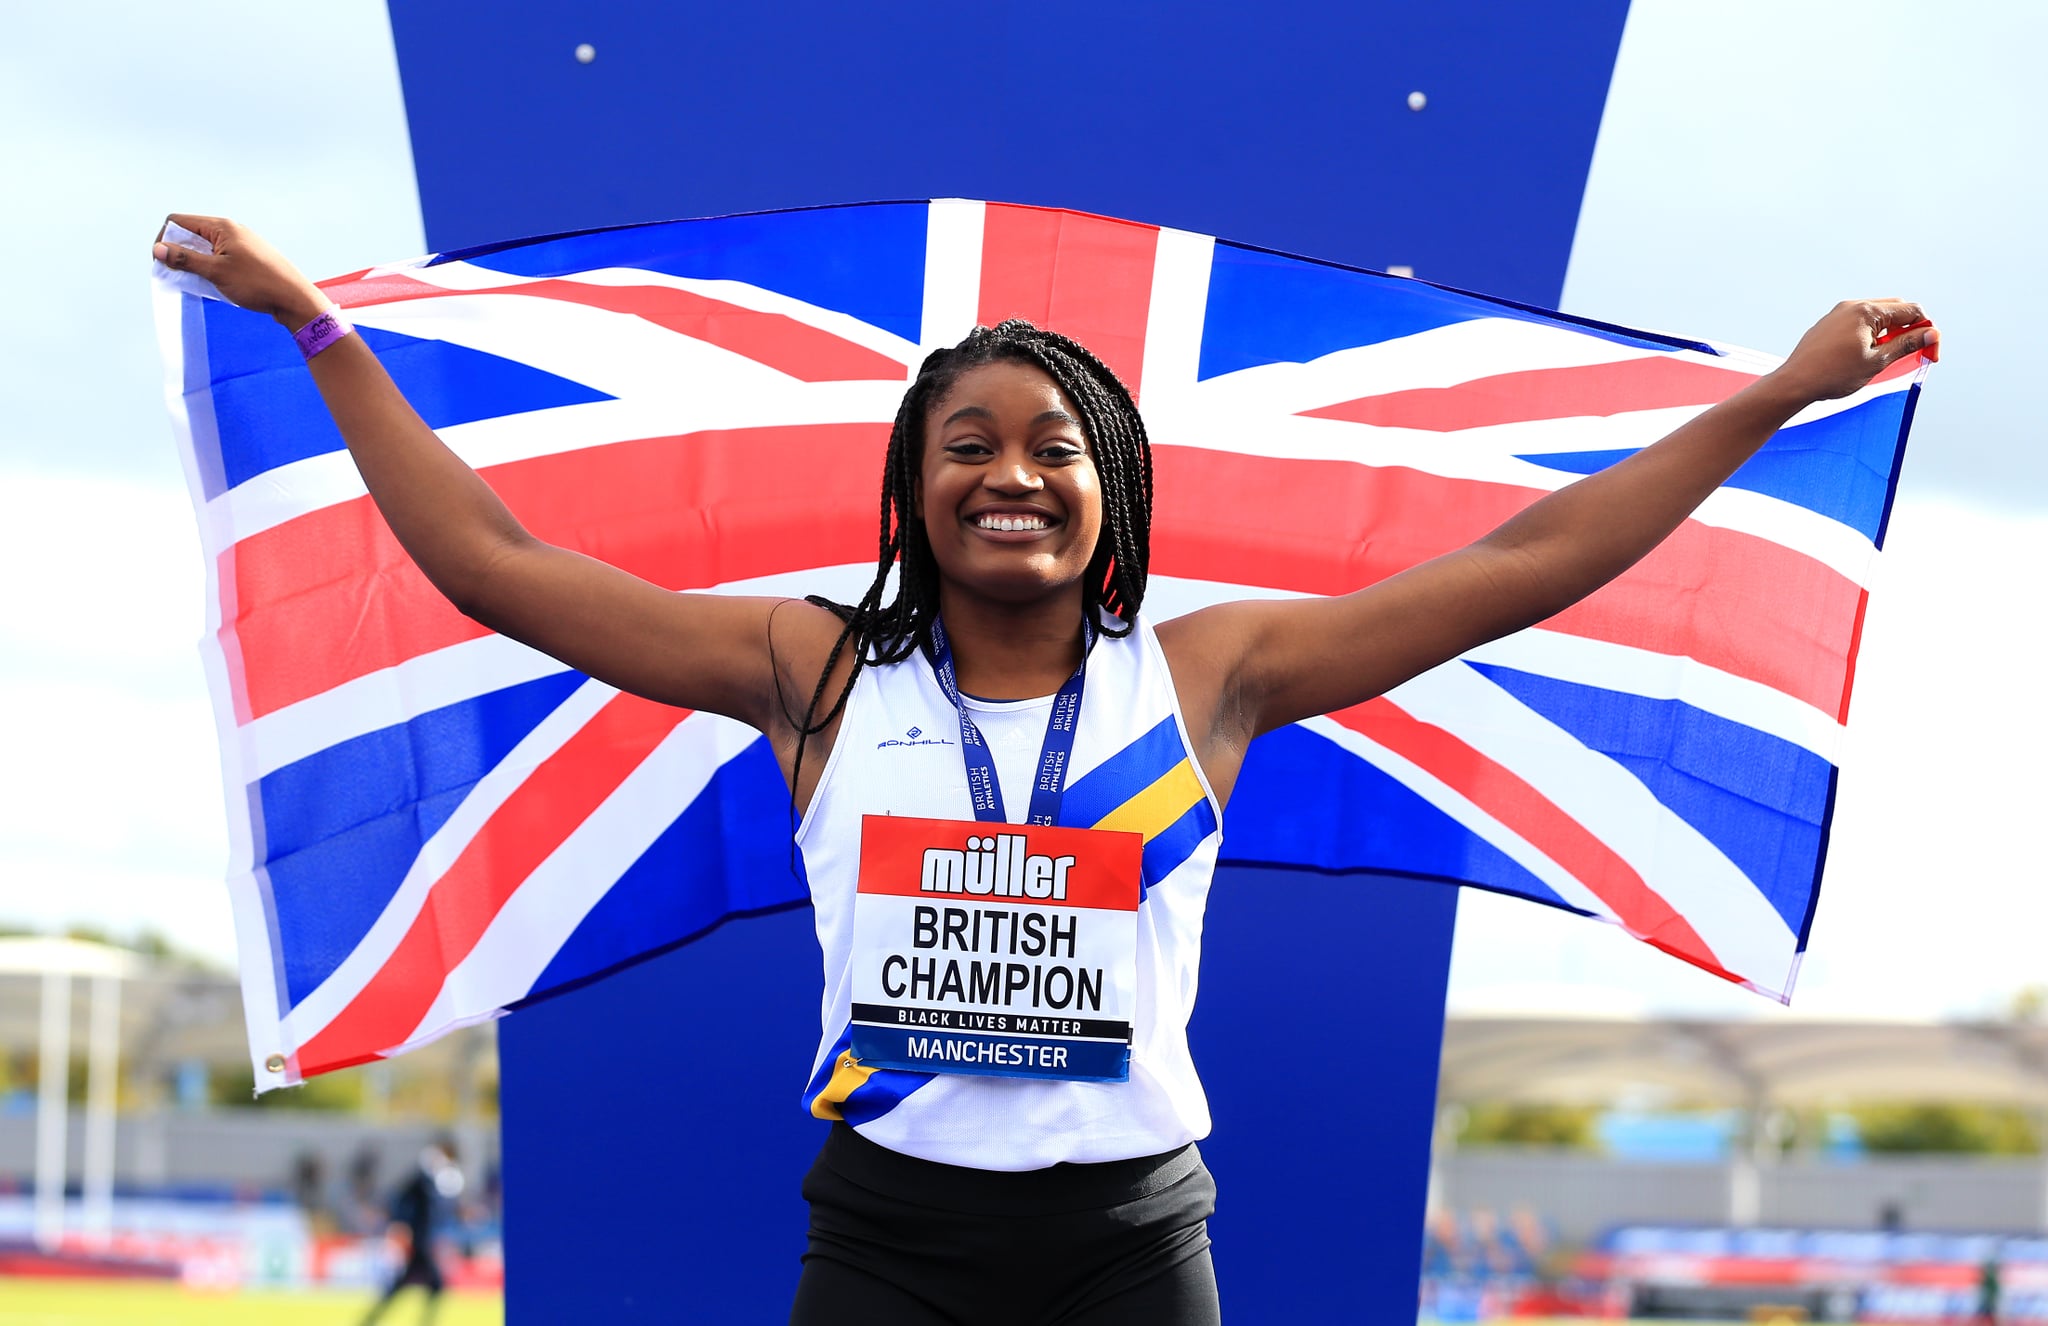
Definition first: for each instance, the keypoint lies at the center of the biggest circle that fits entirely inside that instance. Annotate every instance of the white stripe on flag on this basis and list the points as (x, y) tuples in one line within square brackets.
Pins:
[(1573, 658), (347, 980), (1181, 264), (392, 695), (952, 273), (1461, 809), (294, 489), (1747, 935), (1654, 676), (192, 423), (552, 901), (1255, 411), (462, 277), (456, 673), (615, 353)]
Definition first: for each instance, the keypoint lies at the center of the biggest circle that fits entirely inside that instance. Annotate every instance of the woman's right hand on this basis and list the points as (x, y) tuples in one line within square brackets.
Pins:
[(247, 271)]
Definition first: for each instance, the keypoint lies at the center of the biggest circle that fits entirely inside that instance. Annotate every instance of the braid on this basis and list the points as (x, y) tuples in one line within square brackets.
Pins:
[(1115, 580)]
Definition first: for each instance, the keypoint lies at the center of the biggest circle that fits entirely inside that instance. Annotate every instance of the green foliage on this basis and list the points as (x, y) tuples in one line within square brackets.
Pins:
[(150, 943), (1566, 1127), (2030, 1004), (331, 1091), (1954, 1129)]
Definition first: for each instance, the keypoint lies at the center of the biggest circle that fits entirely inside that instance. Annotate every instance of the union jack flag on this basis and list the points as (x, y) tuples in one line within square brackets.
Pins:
[(433, 823)]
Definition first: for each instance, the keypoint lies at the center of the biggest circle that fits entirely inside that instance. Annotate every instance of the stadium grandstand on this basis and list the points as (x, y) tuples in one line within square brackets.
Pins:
[(134, 1167), (1752, 1222)]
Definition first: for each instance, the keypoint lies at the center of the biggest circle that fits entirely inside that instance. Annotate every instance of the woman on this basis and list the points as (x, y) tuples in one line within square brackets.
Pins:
[(1046, 1173)]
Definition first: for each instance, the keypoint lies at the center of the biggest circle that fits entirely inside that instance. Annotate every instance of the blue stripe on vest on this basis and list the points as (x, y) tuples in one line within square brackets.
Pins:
[(1123, 775)]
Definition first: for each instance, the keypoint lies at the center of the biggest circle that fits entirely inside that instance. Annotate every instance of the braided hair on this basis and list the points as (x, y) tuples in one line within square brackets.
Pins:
[(1114, 584)]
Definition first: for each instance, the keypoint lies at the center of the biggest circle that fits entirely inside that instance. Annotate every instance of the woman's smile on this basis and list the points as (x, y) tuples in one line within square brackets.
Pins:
[(1011, 523)]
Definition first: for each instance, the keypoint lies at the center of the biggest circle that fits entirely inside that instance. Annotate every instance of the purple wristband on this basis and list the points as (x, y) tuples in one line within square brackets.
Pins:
[(322, 332)]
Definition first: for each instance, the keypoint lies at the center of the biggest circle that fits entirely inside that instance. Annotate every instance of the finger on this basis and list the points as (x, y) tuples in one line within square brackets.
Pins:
[(1890, 316), (209, 226), (181, 259), (1923, 337), (1891, 336)]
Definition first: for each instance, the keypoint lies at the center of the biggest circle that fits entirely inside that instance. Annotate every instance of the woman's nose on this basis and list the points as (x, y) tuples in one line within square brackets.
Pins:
[(1015, 476)]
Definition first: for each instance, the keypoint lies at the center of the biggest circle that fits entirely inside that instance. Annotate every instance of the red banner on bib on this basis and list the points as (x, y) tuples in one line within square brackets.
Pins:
[(1031, 865)]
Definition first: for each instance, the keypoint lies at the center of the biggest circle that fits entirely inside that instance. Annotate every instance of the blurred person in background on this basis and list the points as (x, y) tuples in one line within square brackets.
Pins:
[(361, 1213), (419, 1212), (309, 1191), (1988, 1289)]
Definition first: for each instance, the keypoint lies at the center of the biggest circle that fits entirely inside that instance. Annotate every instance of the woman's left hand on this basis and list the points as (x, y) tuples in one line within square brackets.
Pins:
[(1856, 341)]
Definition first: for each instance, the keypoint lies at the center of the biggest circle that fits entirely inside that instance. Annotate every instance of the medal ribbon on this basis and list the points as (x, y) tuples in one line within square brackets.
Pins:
[(1050, 784)]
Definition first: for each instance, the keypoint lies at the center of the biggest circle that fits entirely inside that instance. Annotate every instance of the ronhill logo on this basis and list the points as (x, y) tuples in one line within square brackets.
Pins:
[(914, 737), (996, 866)]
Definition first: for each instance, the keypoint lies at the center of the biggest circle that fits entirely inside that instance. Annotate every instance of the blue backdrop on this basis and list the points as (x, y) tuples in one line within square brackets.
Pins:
[(653, 1140)]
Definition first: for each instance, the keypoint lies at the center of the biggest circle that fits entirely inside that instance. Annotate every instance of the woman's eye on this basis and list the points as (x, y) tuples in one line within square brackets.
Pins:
[(1062, 451), (967, 447)]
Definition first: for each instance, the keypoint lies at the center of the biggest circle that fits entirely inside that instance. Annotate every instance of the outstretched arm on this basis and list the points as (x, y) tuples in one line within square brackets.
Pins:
[(1257, 666), (698, 651)]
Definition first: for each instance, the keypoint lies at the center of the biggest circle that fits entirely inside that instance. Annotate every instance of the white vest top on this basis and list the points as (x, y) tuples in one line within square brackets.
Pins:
[(898, 753)]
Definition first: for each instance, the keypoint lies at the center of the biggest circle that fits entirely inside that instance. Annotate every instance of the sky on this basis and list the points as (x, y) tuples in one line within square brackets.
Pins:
[(1758, 162)]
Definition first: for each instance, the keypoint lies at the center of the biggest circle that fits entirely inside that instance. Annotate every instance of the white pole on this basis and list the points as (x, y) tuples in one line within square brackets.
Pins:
[(1745, 1190), (2041, 1131), (101, 1085), (52, 1109), (1745, 1168)]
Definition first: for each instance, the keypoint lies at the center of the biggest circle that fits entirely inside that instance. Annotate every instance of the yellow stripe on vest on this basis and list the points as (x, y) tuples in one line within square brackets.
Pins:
[(1154, 810), (848, 1076)]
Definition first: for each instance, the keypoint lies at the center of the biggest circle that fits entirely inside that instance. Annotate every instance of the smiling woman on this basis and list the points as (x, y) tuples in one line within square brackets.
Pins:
[(1004, 1050), (993, 507)]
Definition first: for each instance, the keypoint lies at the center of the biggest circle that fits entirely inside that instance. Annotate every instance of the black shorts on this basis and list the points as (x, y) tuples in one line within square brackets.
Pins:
[(909, 1242)]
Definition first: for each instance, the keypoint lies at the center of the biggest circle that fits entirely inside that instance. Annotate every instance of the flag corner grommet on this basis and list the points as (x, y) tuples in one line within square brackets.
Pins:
[(275, 1063)]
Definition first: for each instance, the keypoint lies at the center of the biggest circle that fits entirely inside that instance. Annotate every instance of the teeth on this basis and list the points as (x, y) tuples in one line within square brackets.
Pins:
[(996, 522)]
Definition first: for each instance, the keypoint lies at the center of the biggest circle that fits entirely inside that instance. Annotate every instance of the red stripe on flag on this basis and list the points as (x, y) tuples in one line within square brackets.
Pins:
[(1088, 277), (522, 833), (360, 289), (330, 596), (228, 636), (1855, 647), (1586, 390), (1538, 821), (1732, 600), (796, 348), (807, 353), (1653, 383), (1898, 368)]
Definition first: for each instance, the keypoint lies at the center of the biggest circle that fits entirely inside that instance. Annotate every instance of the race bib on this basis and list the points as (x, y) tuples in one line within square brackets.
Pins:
[(1009, 950)]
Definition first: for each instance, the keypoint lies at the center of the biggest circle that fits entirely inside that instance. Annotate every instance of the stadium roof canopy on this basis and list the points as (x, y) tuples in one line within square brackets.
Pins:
[(168, 1012), (1776, 1058)]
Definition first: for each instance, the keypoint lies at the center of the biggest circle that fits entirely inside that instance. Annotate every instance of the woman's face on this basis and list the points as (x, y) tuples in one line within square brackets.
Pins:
[(1008, 489)]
